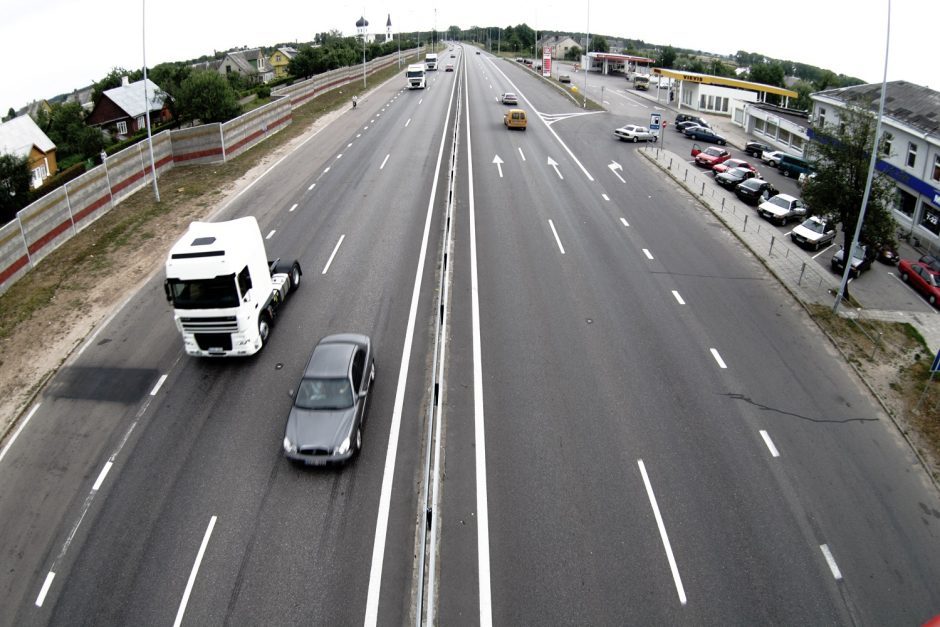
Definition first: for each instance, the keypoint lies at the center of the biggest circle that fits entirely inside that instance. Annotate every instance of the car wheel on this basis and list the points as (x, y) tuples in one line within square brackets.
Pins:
[(905, 277), (722, 143), (635, 139), (358, 439), (655, 138), (772, 163), (932, 299), (372, 374), (785, 174)]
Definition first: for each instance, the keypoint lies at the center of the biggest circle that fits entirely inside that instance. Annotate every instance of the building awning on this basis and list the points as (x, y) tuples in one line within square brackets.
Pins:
[(708, 79)]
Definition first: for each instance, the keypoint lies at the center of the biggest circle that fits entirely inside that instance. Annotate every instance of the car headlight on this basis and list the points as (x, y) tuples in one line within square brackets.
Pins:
[(344, 447), (289, 446)]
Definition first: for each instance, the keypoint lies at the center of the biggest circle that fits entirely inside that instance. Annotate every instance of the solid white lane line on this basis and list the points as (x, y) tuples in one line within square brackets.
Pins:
[(479, 436), (408, 122), (823, 251), (662, 533), (19, 429), (831, 561), (769, 443), (521, 154), (648, 254), (678, 298), (625, 223), (391, 454), (192, 575), (291, 210), (45, 588), (557, 239), (271, 234), (335, 250), (157, 387), (312, 185), (384, 161), (721, 362), (101, 476)]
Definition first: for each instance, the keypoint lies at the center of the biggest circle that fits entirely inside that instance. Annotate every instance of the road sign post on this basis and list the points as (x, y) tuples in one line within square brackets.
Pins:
[(934, 369)]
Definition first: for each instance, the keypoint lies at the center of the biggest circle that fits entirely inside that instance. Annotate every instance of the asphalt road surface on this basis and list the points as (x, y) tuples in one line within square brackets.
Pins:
[(638, 426)]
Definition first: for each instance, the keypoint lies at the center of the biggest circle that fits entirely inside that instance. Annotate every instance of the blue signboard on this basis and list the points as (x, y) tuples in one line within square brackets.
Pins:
[(936, 363)]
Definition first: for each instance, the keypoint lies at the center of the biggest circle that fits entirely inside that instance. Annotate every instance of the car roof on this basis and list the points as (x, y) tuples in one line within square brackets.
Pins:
[(333, 353), (786, 197)]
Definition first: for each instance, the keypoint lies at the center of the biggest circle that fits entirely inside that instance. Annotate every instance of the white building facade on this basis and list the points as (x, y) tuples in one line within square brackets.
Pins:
[(911, 129)]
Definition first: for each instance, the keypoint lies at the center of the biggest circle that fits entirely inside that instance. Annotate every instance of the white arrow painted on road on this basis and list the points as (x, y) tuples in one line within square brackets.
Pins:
[(554, 164), (499, 165), (614, 166)]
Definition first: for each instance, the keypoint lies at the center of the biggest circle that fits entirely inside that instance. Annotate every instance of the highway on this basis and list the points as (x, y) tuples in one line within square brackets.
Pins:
[(638, 426)]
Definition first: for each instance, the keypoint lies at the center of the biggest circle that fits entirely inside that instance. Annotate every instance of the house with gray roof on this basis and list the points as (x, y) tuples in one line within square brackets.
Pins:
[(911, 130), (122, 111), (251, 64), (22, 137)]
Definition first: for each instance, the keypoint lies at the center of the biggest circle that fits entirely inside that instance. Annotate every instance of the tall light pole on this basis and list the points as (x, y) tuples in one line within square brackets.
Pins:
[(143, 42), (362, 26), (587, 50), (847, 253)]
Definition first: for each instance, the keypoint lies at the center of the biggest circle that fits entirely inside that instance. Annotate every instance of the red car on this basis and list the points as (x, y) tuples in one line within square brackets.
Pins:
[(919, 276), (711, 156), (730, 164)]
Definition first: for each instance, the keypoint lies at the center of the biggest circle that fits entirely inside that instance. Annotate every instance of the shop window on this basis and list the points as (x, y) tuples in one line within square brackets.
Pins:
[(701, 102), (797, 143), (931, 219), (906, 203), (822, 116), (724, 105), (759, 125), (936, 168), (784, 137), (911, 154), (887, 140)]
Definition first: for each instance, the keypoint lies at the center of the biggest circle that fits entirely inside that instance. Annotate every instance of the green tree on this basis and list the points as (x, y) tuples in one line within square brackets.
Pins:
[(14, 186), (169, 77), (10, 114), (717, 68), (573, 54), (667, 58), (207, 97), (768, 73), (841, 154), (599, 44), (453, 33), (64, 124)]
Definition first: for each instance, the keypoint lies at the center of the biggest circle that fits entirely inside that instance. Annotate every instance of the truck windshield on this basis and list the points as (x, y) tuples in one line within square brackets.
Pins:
[(215, 293), (415, 73)]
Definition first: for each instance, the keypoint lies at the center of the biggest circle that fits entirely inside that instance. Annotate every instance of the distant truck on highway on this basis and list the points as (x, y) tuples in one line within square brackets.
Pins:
[(414, 76), (224, 292), (430, 61)]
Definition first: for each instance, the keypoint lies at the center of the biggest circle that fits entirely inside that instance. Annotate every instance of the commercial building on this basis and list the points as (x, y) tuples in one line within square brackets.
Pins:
[(911, 130)]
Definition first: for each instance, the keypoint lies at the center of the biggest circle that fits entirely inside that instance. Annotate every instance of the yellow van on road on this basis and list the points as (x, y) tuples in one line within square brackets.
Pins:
[(515, 118)]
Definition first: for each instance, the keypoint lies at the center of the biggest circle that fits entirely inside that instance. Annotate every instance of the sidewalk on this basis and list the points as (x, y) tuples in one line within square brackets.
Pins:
[(792, 266)]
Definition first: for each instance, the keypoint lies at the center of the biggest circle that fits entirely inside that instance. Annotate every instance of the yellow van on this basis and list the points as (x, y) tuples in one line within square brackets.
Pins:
[(515, 118)]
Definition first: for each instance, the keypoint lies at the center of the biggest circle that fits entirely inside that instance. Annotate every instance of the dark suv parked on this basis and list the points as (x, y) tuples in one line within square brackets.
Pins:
[(756, 149), (685, 117)]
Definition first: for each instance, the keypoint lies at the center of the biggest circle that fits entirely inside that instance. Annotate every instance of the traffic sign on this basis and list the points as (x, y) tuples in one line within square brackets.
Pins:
[(655, 119), (936, 363)]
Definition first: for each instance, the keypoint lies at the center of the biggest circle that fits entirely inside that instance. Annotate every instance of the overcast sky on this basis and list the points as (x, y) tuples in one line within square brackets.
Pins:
[(56, 46)]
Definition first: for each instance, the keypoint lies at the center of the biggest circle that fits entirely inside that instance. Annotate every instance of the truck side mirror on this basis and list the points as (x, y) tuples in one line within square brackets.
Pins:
[(166, 289)]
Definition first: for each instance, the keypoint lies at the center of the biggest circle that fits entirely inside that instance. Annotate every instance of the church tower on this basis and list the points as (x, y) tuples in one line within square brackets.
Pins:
[(388, 29)]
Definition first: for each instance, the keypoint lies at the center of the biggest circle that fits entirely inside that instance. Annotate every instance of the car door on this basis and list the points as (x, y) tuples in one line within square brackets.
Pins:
[(360, 383)]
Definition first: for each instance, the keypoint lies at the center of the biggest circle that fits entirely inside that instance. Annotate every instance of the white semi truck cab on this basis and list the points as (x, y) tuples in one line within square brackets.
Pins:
[(224, 292), (430, 61), (414, 76)]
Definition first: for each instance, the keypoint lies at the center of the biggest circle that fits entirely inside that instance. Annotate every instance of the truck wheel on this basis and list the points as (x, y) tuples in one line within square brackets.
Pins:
[(295, 275), (264, 328)]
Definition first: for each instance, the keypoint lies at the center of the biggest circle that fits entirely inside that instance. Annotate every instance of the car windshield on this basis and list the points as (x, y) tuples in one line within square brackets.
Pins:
[(815, 226), (324, 394), (215, 293), (780, 202)]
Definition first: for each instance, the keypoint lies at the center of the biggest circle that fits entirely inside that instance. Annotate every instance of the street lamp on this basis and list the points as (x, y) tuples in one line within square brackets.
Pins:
[(143, 43), (362, 25), (847, 252)]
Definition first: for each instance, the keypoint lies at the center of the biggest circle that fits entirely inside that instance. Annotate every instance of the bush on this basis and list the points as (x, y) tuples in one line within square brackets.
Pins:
[(263, 91)]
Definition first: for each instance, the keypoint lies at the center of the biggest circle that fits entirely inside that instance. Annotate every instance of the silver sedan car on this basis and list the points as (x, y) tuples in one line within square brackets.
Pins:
[(634, 133), (325, 422)]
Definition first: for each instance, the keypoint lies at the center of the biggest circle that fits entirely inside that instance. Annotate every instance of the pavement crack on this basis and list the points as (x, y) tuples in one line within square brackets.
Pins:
[(767, 408)]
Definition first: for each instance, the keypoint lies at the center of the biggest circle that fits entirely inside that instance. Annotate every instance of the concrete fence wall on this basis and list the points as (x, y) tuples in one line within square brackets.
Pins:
[(46, 224)]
